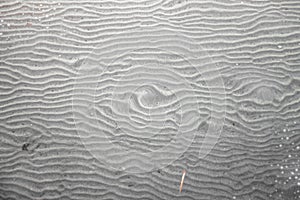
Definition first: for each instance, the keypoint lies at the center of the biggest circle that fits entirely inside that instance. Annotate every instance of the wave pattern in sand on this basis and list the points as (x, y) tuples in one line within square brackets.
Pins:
[(253, 46)]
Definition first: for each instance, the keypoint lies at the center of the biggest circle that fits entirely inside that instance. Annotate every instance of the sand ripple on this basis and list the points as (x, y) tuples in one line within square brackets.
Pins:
[(92, 93)]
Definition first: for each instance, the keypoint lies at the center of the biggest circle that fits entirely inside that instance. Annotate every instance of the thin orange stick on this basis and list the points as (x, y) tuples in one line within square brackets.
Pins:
[(182, 179)]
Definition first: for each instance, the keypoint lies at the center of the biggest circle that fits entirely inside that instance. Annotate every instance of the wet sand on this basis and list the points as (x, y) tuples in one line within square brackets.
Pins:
[(114, 99)]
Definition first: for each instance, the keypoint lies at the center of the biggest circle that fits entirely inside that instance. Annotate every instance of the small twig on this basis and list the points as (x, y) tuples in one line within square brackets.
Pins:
[(182, 179)]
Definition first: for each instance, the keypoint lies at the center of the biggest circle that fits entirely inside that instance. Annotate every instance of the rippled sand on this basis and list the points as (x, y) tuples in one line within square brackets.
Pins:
[(114, 99)]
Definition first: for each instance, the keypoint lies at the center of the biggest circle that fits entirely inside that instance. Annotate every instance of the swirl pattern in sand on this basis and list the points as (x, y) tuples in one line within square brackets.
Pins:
[(147, 94)]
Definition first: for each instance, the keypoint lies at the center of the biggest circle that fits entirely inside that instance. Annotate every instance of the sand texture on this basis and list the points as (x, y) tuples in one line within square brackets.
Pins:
[(114, 99)]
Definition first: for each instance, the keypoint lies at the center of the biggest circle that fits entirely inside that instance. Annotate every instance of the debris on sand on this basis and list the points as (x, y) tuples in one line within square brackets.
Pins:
[(182, 179)]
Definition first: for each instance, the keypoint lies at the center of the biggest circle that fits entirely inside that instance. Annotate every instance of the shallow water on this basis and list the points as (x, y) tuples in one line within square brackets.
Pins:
[(114, 99)]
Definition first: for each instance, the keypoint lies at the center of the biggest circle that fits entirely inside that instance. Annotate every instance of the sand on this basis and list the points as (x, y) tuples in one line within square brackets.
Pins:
[(115, 99)]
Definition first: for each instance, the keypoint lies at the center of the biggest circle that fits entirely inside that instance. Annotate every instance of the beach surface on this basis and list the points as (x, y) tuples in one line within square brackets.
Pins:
[(117, 99)]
